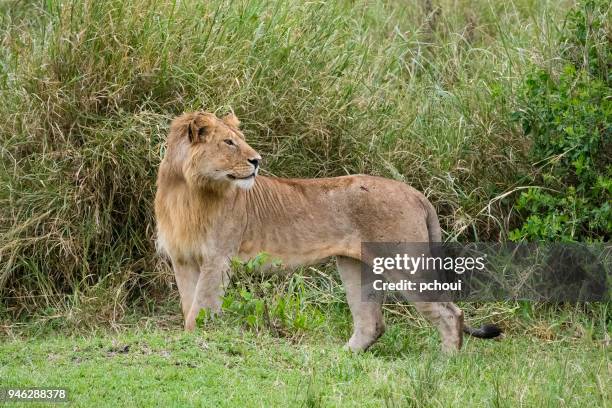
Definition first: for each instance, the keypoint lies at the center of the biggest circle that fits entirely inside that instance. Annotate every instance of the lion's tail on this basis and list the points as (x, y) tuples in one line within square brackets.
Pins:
[(486, 331), (433, 225)]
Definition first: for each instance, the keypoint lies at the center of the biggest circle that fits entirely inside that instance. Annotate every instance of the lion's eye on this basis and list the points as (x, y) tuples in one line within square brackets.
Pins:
[(229, 142)]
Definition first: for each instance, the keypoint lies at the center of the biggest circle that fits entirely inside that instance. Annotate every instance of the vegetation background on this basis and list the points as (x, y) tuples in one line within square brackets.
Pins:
[(499, 111)]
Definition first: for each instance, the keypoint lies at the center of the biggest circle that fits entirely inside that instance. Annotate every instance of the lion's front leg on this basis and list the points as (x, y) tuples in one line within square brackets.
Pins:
[(186, 274), (209, 291)]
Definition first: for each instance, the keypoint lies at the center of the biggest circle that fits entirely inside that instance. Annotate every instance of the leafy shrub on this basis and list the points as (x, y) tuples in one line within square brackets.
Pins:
[(271, 302), (569, 117)]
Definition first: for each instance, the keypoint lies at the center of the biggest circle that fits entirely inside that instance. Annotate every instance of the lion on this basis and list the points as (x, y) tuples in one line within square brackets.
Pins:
[(211, 206)]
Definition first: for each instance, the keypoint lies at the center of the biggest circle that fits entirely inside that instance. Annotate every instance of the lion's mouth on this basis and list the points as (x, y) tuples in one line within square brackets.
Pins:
[(232, 177)]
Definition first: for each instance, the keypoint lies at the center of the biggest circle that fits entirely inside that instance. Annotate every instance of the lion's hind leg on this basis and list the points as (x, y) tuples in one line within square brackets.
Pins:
[(368, 323), (448, 318)]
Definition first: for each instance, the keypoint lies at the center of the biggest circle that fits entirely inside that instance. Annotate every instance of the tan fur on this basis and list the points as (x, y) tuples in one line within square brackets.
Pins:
[(205, 217)]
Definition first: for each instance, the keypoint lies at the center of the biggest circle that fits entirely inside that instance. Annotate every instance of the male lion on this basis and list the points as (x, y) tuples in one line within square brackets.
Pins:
[(211, 206)]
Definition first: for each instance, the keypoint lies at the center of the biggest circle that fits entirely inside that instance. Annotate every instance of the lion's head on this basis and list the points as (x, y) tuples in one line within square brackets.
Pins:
[(211, 152)]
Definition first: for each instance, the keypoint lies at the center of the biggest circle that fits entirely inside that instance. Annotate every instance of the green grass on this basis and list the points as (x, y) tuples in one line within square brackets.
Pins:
[(227, 366), (549, 356)]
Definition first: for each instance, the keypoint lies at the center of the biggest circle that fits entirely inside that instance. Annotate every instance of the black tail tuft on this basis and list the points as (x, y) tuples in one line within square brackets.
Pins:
[(487, 331)]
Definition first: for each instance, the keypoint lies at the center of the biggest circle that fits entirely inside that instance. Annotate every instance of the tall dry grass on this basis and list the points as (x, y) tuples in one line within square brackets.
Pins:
[(419, 91)]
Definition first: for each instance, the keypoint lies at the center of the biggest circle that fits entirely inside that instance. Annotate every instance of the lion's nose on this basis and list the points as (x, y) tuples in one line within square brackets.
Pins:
[(254, 161)]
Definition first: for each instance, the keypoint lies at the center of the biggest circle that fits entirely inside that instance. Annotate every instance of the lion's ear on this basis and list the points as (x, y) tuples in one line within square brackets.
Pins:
[(198, 128), (231, 120)]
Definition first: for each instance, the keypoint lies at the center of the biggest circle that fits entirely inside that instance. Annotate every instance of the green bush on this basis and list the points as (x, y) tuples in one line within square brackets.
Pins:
[(270, 302), (569, 117)]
